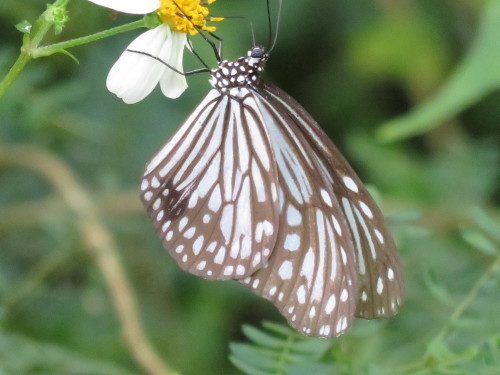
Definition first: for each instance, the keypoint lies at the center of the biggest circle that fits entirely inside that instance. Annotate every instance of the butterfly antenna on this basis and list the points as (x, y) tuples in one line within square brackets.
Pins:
[(269, 24), (246, 20), (280, 3), (202, 70), (191, 48)]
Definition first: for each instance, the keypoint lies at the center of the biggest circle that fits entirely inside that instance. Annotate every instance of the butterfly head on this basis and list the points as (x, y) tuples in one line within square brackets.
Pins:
[(258, 56)]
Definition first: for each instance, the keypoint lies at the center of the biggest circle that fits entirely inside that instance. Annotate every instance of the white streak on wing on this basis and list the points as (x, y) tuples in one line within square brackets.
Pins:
[(333, 249), (307, 269), (258, 142), (210, 176), (160, 156), (354, 229), (243, 153), (367, 232), (226, 222), (286, 158), (304, 124), (243, 223), (289, 133), (221, 254), (199, 147), (246, 247), (319, 282), (229, 156), (215, 200), (237, 183), (258, 182), (213, 146)]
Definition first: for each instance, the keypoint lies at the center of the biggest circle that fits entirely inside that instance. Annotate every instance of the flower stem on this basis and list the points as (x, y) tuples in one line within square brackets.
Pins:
[(30, 49), (61, 46)]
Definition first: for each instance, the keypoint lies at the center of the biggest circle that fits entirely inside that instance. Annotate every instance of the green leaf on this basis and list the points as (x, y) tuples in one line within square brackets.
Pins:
[(479, 241), (477, 76), (261, 338), (279, 350), (24, 27), (486, 223), (20, 355), (437, 288)]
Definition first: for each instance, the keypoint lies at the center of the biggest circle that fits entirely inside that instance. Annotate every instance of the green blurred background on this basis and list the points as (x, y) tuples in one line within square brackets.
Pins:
[(357, 66)]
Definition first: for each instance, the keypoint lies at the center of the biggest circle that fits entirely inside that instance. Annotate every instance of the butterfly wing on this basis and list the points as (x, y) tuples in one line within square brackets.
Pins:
[(311, 276), (211, 192), (380, 278)]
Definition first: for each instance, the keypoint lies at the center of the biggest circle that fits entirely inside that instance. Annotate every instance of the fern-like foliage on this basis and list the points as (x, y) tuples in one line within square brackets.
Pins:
[(277, 350)]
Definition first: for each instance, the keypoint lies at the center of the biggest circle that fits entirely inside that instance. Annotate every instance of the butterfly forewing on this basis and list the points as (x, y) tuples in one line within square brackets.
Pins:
[(313, 276), (381, 287), (211, 192)]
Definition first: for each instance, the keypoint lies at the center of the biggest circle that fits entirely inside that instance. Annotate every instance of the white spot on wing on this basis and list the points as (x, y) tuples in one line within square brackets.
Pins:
[(286, 270), (330, 305), (366, 210), (380, 285), (351, 185), (326, 197), (198, 244), (293, 216), (301, 294), (344, 295), (390, 274), (292, 242)]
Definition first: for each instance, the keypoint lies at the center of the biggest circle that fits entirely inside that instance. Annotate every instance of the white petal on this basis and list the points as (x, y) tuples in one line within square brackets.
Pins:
[(130, 6), (134, 75), (172, 83)]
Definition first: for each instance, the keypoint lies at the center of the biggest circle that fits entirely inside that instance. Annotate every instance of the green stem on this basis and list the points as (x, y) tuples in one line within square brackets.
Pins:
[(58, 47), (469, 298), (14, 72)]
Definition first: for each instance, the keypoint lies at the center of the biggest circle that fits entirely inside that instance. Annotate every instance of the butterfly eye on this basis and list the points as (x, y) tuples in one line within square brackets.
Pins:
[(258, 52)]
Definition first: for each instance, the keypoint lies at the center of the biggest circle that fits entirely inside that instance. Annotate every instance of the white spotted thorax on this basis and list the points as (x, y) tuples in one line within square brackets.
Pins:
[(251, 188), (242, 72)]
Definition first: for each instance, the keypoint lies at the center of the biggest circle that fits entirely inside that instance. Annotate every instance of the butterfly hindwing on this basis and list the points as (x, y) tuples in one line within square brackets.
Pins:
[(311, 276), (209, 192), (381, 286)]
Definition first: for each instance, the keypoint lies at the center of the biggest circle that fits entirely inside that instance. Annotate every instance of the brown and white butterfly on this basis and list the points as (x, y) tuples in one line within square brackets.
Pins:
[(250, 188)]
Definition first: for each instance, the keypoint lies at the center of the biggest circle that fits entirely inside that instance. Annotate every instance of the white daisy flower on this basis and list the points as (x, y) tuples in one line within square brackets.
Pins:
[(135, 75)]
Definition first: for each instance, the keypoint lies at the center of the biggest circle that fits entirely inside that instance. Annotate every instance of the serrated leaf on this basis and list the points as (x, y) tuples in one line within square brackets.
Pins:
[(260, 358), (245, 366), (278, 328), (279, 350), (315, 348), (261, 338)]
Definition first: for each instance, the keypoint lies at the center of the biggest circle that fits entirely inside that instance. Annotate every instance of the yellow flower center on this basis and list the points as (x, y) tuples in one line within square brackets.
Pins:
[(186, 16)]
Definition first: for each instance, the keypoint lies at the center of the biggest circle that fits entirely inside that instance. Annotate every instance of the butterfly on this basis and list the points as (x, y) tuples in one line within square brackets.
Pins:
[(251, 188)]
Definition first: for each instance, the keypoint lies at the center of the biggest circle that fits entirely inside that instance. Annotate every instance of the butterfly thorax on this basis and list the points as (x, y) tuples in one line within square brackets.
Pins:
[(242, 72)]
